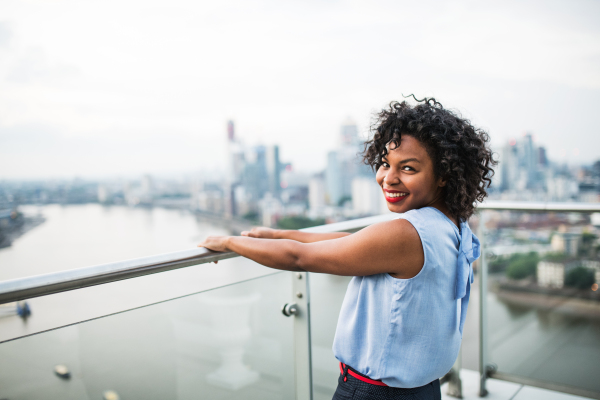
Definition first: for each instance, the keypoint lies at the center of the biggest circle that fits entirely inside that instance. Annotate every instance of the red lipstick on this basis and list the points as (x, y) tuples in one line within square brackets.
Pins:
[(394, 196)]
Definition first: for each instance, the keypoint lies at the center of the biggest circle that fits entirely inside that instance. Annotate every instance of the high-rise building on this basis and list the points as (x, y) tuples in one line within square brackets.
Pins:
[(252, 172), (235, 155), (147, 186), (528, 160), (349, 133), (522, 165), (103, 194), (234, 169), (230, 131), (333, 178), (542, 159), (262, 172), (510, 166), (274, 168), (344, 164), (255, 177), (367, 196), (316, 193)]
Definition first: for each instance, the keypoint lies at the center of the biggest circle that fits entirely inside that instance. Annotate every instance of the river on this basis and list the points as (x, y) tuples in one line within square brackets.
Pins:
[(80, 235)]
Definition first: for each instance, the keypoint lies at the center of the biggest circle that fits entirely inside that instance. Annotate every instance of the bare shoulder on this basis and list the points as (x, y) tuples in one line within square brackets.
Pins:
[(401, 227), (397, 232), (399, 242)]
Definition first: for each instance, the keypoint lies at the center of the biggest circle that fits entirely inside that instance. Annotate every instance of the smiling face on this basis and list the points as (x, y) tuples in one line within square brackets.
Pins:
[(407, 178)]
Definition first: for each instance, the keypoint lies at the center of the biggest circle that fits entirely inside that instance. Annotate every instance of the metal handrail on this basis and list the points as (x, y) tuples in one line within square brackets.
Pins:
[(539, 206), (56, 282)]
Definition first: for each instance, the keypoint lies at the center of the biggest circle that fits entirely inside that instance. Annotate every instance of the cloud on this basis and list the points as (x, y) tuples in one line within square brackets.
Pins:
[(5, 34), (34, 66), (42, 151), (153, 77)]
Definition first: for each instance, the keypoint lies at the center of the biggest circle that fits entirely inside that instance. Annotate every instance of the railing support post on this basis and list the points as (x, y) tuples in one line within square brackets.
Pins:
[(302, 344), (454, 382), (483, 348)]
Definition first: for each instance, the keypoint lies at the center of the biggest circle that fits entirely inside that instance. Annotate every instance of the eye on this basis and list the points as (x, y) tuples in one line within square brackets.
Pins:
[(385, 164), (407, 168)]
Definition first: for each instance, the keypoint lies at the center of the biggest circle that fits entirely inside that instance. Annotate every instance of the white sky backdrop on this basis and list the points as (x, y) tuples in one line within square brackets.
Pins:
[(118, 88)]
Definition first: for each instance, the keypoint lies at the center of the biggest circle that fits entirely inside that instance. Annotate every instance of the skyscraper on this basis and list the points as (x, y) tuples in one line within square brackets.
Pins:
[(274, 168), (256, 177), (522, 165), (349, 133), (344, 164), (234, 169)]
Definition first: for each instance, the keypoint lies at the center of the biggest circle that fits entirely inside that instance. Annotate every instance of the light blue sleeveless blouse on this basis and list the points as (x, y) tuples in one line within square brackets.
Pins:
[(407, 332)]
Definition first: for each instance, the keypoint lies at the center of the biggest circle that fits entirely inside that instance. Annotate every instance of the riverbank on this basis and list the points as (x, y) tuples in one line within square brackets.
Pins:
[(234, 225), (11, 232), (532, 287), (570, 301)]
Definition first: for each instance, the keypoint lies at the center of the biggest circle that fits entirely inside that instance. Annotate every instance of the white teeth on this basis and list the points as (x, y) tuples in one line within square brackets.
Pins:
[(396, 194)]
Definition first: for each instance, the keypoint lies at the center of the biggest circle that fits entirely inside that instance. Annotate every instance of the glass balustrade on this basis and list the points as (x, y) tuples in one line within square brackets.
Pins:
[(232, 342), (150, 338), (543, 302), (326, 296)]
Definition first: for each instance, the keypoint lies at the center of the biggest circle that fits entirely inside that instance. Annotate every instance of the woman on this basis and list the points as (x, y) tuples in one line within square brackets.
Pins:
[(401, 321)]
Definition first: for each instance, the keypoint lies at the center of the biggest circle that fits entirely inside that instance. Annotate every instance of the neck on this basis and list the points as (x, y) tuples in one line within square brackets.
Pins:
[(440, 203)]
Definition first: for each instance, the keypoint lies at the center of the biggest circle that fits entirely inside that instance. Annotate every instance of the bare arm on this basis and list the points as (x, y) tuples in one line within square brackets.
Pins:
[(303, 237), (392, 247)]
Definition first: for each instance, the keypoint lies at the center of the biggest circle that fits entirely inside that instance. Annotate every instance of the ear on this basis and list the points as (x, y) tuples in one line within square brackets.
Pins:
[(442, 182)]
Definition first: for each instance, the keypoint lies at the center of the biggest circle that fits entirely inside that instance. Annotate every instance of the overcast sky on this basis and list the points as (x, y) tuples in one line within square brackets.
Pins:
[(119, 88)]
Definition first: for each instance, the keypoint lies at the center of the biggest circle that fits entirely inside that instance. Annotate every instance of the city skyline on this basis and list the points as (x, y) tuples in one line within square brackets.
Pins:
[(254, 184), (221, 171)]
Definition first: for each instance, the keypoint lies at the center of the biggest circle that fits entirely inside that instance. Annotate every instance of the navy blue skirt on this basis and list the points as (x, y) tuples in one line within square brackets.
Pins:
[(354, 389)]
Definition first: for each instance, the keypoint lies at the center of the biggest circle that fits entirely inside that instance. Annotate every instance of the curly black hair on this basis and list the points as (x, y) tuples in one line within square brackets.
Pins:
[(460, 152)]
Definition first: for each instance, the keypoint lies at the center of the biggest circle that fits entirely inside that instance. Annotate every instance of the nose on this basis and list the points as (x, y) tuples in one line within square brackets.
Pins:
[(391, 178)]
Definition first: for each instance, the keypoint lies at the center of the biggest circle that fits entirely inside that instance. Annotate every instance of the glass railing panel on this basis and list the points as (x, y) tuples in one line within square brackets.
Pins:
[(543, 303), (227, 343), (57, 310), (326, 296)]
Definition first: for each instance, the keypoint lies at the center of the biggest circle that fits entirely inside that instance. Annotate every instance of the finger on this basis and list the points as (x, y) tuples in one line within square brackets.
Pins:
[(245, 233)]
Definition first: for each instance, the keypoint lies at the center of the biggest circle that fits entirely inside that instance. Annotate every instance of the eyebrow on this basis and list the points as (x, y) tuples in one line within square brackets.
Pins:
[(405, 161), (409, 160)]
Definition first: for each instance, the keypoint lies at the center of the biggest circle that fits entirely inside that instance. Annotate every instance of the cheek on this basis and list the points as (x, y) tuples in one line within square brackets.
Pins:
[(425, 186), (380, 176), (415, 185)]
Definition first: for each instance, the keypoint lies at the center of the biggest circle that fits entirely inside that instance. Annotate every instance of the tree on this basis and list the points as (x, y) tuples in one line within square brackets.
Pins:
[(298, 222), (588, 240), (596, 169), (556, 257), (251, 216), (522, 265), (580, 277)]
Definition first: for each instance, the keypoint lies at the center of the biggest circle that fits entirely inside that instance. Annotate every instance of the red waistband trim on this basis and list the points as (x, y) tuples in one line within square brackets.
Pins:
[(359, 377)]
